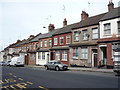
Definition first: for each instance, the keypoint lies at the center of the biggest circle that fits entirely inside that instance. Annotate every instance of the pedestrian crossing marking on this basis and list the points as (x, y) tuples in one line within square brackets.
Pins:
[(20, 79), (43, 87), (29, 82)]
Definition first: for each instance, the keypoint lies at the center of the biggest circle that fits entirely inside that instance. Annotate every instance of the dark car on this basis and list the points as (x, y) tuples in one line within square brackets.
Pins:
[(56, 65)]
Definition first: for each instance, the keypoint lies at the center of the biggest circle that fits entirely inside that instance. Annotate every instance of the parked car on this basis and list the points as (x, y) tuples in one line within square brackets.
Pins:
[(5, 63), (17, 61), (56, 65)]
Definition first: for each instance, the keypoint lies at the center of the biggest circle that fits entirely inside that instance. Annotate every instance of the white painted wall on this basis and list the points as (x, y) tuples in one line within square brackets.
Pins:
[(1, 56), (41, 61), (114, 28)]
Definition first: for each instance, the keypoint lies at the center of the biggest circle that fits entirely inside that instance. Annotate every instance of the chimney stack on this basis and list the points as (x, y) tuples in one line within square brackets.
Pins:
[(110, 5), (64, 22), (51, 27), (31, 36), (84, 15)]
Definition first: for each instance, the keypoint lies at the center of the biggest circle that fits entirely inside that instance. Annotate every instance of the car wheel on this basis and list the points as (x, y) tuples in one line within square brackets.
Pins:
[(46, 68), (57, 68)]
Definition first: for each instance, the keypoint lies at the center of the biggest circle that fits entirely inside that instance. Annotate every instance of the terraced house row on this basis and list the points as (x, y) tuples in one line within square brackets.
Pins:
[(92, 42)]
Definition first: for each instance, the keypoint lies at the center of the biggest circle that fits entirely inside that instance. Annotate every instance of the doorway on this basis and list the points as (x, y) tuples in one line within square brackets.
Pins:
[(94, 58)]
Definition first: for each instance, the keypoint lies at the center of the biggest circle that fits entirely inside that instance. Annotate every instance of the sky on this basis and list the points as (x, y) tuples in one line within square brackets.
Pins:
[(21, 18)]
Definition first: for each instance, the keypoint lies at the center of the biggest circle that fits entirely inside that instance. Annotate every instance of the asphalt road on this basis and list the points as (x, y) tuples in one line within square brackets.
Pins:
[(25, 77)]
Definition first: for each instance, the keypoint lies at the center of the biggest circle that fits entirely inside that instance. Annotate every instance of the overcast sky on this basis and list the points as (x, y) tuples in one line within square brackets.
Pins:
[(21, 18)]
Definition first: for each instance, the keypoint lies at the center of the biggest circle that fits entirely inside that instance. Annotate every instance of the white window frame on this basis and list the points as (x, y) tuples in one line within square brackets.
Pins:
[(64, 55), (55, 41), (43, 55), (45, 43), (57, 55), (94, 33), (68, 39), (84, 53), (41, 44), (50, 43), (61, 40), (107, 28), (118, 24), (75, 52), (85, 37), (76, 36)]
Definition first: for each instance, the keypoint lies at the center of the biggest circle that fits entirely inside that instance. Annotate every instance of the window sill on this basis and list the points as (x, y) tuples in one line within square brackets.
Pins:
[(74, 57), (76, 40)]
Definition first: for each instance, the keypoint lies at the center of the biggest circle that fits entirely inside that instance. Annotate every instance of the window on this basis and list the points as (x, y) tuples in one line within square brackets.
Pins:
[(107, 30), (95, 33), (119, 27), (57, 55), (50, 43), (41, 43), (55, 41), (45, 43), (76, 36), (39, 55), (85, 35), (68, 39), (61, 40), (64, 56), (75, 52), (84, 53), (43, 55)]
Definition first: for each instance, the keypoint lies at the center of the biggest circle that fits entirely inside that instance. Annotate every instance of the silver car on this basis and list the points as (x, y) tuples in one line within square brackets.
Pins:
[(56, 65)]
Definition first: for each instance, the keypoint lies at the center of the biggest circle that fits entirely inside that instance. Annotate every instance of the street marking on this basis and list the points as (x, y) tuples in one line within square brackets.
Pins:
[(7, 81), (1, 82), (5, 87), (10, 73), (13, 87), (20, 79), (29, 82), (43, 87), (14, 76), (20, 85)]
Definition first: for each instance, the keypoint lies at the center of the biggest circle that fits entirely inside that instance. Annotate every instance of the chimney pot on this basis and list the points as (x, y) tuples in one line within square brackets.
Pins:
[(51, 27), (110, 5), (64, 22), (84, 15)]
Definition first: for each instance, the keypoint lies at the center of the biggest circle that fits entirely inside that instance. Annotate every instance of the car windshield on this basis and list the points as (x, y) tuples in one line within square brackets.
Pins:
[(57, 62)]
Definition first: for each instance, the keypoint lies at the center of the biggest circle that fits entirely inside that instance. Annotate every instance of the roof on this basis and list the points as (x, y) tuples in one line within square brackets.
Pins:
[(94, 20), (112, 14), (65, 29), (40, 36)]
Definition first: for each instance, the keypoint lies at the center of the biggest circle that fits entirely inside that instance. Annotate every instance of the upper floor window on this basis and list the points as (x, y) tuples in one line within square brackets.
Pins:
[(85, 35), (50, 43), (61, 40), (68, 39), (75, 52), (107, 29), (118, 27), (40, 43), (45, 43), (55, 41), (76, 36), (84, 53), (94, 33)]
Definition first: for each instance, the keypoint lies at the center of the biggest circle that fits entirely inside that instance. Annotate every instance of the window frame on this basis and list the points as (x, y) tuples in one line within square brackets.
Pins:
[(57, 55), (108, 29), (45, 43), (43, 55), (84, 53), (84, 34), (68, 39), (76, 36), (55, 41), (75, 52), (61, 40), (64, 55), (95, 33)]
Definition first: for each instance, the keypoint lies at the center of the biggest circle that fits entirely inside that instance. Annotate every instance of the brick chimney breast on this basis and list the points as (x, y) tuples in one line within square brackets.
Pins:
[(64, 22), (110, 5), (84, 15), (51, 27)]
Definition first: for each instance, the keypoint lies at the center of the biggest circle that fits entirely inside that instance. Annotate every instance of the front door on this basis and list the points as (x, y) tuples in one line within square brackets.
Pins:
[(95, 59)]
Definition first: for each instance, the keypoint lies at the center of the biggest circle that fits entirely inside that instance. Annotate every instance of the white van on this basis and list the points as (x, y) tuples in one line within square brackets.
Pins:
[(17, 61)]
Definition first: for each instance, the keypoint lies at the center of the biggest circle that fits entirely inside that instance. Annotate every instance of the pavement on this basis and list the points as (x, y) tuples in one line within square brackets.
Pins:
[(77, 69)]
